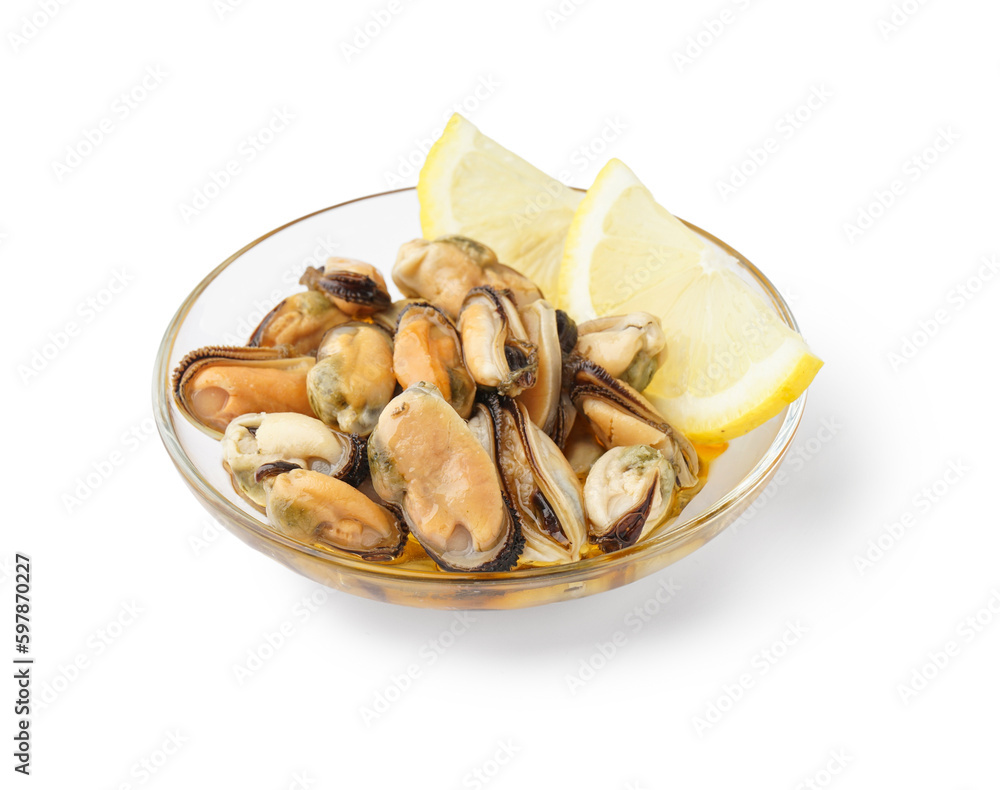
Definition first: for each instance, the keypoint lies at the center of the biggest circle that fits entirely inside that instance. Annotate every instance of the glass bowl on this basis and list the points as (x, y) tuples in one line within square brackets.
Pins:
[(228, 304)]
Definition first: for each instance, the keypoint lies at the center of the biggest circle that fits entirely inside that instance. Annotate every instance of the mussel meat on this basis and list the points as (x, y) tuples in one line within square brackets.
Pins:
[(315, 508), (300, 321), (355, 287), (425, 460), (620, 416), (426, 347), (254, 440), (445, 270), (353, 378), (216, 384), (497, 351), (630, 347), (628, 492)]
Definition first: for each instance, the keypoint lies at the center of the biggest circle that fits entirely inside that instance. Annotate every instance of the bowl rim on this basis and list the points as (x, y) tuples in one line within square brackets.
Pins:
[(746, 487)]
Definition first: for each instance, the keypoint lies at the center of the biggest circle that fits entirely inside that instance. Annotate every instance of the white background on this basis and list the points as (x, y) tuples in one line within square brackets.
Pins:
[(505, 690)]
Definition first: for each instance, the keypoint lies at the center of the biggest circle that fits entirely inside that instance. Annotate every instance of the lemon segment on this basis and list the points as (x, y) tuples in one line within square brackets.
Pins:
[(732, 363), (472, 186)]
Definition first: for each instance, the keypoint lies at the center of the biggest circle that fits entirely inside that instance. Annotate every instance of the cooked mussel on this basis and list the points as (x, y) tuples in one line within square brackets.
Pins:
[(355, 287), (628, 492), (426, 347), (497, 351), (216, 384), (353, 378), (445, 270), (542, 400), (255, 440), (620, 416), (425, 460), (300, 321), (630, 347), (539, 481), (315, 508)]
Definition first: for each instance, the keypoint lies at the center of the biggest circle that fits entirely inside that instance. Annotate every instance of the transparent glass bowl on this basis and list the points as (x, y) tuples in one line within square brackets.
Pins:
[(226, 307)]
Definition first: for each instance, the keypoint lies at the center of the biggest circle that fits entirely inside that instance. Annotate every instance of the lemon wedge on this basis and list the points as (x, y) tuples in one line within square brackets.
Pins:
[(732, 362), (472, 186)]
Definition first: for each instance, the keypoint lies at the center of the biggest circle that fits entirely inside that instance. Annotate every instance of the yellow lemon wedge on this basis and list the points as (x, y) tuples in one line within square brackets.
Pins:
[(732, 362)]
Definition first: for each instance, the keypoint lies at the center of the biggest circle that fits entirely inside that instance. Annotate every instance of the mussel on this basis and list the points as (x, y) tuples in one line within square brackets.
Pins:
[(497, 351), (355, 287), (426, 347), (543, 399), (445, 270), (353, 378), (215, 384), (255, 440), (315, 508), (630, 347), (425, 460), (620, 416), (628, 492), (300, 321), (540, 483)]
